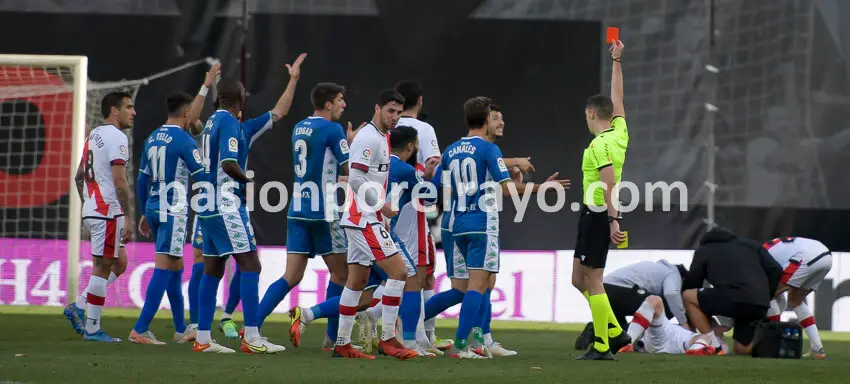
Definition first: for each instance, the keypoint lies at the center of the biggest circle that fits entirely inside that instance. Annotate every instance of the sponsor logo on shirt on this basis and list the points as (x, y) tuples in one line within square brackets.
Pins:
[(434, 145), (343, 146), (196, 155), (367, 154), (123, 149), (233, 145)]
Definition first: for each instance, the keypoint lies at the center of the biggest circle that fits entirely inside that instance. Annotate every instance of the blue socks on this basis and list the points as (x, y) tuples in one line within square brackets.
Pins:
[(153, 298), (411, 303), (194, 285), (328, 308), (175, 297), (233, 294), (486, 313), (250, 297), (441, 302), (334, 291), (470, 314), (274, 295), (206, 301)]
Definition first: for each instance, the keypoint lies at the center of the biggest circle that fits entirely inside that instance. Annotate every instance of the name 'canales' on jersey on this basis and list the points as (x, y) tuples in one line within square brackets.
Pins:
[(319, 148), (474, 165), (225, 139), (169, 157)]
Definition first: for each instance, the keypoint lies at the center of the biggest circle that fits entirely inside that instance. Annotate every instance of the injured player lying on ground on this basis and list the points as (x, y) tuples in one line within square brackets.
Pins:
[(652, 332)]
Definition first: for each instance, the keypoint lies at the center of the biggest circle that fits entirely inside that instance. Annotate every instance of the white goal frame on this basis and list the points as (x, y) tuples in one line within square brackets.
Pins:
[(78, 66)]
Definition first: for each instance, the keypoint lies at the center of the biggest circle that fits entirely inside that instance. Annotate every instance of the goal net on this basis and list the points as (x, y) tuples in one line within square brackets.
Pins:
[(47, 107)]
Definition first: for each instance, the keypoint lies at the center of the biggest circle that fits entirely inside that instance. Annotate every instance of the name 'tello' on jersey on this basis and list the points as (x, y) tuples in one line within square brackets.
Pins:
[(106, 146)]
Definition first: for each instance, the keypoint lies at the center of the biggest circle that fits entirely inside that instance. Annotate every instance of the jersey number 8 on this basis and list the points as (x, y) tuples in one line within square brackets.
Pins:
[(465, 175), (88, 168)]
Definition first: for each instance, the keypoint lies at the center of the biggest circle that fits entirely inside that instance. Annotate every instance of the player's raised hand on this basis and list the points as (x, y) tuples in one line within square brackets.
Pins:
[(295, 68), (554, 179), (350, 133), (144, 228), (524, 164), (616, 49), (212, 74)]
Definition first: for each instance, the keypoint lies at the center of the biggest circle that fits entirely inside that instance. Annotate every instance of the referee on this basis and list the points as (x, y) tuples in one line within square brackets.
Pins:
[(599, 225)]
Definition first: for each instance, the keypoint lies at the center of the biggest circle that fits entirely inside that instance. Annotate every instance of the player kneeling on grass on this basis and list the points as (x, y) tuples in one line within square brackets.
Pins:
[(744, 278), (805, 263), (651, 326)]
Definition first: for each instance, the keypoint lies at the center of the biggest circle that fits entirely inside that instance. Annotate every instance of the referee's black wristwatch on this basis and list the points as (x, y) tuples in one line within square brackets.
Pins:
[(612, 218)]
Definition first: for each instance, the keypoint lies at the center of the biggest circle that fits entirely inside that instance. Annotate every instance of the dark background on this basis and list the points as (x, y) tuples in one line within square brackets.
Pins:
[(540, 71)]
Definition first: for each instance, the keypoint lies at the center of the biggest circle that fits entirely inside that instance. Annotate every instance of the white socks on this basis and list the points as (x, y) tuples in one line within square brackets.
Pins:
[(430, 324), (252, 334), (421, 334), (774, 313), (641, 321), (348, 302), (807, 320), (204, 337), (81, 299), (95, 298), (390, 300)]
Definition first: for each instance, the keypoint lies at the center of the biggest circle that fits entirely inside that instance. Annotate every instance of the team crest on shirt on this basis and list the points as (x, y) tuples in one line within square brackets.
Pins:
[(196, 155), (343, 146), (233, 145), (367, 154), (502, 166)]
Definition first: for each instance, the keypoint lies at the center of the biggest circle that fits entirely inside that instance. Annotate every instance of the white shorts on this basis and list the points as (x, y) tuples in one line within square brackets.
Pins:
[(807, 274), (369, 245), (666, 337), (105, 235)]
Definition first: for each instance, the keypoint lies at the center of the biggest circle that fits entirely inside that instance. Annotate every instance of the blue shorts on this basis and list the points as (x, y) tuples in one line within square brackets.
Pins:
[(197, 234), (226, 234), (455, 262), (480, 251), (314, 237), (376, 277), (169, 235)]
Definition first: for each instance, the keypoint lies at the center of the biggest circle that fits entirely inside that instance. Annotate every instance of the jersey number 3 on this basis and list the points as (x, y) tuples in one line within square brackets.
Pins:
[(300, 151)]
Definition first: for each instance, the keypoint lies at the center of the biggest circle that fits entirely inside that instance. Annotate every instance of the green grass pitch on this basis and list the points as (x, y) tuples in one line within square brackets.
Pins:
[(37, 345)]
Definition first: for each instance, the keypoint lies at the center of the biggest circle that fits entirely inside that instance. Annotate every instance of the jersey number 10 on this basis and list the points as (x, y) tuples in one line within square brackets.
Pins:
[(465, 175)]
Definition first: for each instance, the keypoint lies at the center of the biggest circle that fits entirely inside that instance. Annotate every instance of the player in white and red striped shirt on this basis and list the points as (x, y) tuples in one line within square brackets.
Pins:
[(805, 263), (102, 182), (365, 223)]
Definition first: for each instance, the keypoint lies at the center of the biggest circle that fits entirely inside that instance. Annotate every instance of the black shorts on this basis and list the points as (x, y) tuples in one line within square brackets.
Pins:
[(626, 301), (594, 237), (717, 302)]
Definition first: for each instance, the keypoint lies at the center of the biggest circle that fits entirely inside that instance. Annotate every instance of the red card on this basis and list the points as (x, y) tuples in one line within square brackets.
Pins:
[(613, 35)]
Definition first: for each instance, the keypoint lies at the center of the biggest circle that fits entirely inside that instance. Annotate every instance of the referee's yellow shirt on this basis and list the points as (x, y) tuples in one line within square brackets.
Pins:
[(608, 149)]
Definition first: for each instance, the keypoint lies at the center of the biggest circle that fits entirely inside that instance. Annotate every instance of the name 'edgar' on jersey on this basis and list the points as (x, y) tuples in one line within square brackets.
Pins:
[(319, 148), (169, 157), (225, 139), (474, 164)]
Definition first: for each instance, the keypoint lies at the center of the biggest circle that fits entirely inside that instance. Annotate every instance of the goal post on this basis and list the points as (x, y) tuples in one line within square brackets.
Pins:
[(35, 78)]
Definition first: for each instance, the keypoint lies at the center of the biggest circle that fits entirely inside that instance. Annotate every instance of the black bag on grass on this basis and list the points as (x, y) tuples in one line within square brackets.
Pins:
[(778, 340)]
